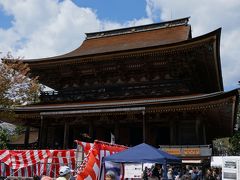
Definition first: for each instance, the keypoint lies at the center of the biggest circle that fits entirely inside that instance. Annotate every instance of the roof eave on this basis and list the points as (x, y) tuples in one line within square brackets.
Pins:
[(133, 102)]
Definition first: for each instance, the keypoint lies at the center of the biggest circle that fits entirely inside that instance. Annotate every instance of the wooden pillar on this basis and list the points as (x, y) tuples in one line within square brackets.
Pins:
[(197, 125), (40, 134), (172, 125), (26, 138), (66, 135), (91, 129), (116, 131), (180, 127), (204, 133), (177, 123), (144, 126), (148, 136)]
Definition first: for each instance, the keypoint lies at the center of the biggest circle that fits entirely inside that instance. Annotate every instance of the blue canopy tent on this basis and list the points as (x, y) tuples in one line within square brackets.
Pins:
[(143, 153)]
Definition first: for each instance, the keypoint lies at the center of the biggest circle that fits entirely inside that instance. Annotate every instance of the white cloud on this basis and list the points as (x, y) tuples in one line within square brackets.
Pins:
[(43, 28), (207, 16), (7, 39), (138, 22), (115, 25), (63, 33)]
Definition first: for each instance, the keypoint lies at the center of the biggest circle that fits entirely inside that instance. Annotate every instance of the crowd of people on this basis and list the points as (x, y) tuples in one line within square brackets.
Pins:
[(156, 172), (181, 173)]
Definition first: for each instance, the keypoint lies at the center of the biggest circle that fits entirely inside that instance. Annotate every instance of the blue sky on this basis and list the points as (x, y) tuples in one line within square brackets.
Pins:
[(116, 10), (110, 10), (5, 20), (43, 28)]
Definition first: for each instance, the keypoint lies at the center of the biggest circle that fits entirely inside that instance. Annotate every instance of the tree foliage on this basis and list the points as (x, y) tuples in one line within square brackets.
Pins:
[(235, 139), (229, 146), (16, 88), (3, 138), (235, 144), (221, 147)]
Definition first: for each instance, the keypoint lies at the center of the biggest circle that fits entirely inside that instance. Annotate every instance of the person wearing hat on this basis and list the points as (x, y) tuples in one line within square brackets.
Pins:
[(64, 173), (110, 175)]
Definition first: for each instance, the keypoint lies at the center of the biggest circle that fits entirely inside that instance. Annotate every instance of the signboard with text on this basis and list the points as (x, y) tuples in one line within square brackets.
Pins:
[(132, 170), (186, 151), (191, 151), (183, 151), (231, 168), (173, 151)]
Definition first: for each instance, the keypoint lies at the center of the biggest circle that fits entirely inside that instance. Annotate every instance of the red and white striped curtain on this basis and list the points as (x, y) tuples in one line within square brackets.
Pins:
[(27, 163)]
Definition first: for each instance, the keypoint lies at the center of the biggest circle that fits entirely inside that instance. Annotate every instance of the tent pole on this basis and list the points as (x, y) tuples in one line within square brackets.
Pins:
[(102, 176)]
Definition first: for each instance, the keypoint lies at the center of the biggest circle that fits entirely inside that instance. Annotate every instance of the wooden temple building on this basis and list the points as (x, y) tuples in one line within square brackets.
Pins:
[(152, 83)]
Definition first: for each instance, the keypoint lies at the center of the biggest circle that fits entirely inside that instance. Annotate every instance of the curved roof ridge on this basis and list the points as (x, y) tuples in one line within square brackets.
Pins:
[(141, 28)]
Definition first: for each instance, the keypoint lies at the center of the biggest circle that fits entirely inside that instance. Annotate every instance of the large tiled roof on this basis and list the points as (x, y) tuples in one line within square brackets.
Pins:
[(130, 38)]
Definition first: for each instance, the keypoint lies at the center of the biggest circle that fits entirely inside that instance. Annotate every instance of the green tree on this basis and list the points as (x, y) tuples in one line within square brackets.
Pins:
[(3, 138), (235, 144), (221, 147), (235, 139)]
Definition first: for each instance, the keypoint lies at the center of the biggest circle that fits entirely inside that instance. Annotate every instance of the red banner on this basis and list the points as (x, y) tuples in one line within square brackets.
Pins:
[(90, 168)]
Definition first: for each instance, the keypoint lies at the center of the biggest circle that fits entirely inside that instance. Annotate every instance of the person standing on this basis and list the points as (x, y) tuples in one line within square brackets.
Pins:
[(157, 170), (145, 174), (209, 175)]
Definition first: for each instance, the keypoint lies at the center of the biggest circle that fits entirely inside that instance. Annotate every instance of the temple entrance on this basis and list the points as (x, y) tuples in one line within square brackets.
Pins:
[(58, 137), (162, 135), (103, 134), (136, 136)]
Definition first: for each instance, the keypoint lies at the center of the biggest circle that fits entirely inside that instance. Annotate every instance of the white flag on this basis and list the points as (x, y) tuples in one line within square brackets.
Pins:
[(112, 139)]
